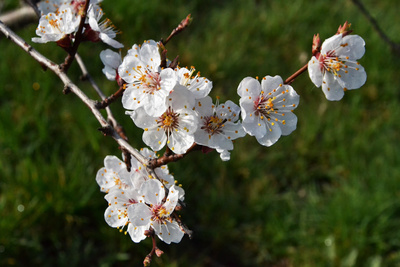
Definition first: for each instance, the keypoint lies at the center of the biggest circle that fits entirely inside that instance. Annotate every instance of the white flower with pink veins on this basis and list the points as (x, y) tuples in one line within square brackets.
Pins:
[(267, 108), (218, 125), (104, 30), (113, 175), (47, 6), (199, 86), (116, 214), (156, 211), (147, 84), (54, 27), (175, 126), (336, 67)]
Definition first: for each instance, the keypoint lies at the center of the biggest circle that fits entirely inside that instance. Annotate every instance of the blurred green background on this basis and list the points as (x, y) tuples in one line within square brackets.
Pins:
[(327, 195)]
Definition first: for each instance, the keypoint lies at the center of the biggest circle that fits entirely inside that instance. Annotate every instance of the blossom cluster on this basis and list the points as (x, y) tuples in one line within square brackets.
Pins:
[(173, 106), (137, 202), (61, 18)]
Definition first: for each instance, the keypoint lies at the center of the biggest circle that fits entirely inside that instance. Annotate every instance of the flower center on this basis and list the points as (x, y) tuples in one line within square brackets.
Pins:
[(149, 81), (213, 124), (264, 105), (159, 213), (333, 63), (54, 23), (169, 121)]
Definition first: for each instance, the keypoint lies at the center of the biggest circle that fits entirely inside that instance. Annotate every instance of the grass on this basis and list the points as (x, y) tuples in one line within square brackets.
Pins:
[(327, 195)]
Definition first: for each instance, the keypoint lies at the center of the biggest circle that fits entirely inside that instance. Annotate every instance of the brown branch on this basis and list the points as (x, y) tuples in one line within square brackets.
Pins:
[(296, 74), (88, 77), (106, 128), (107, 101), (395, 47), (171, 157), (78, 92), (78, 38), (182, 26), (19, 17)]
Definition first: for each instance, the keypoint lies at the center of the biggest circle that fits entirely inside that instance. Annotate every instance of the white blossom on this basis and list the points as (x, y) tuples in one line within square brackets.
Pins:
[(122, 188), (105, 30), (336, 67), (199, 86), (147, 84), (267, 108), (54, 27), (175, 126), (156, 213), (218, 125)]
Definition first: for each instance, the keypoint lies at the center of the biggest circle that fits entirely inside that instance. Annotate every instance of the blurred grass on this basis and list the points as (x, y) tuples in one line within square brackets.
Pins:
[(327, 195)]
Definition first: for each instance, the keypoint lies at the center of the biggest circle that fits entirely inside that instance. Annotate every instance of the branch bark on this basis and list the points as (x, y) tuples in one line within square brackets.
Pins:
[(91, 104), (19, 17)]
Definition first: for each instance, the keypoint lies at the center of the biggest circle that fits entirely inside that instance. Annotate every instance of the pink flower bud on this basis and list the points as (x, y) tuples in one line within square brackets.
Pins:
[(159, 252), (316, 45), (345, 29), (147, 261)]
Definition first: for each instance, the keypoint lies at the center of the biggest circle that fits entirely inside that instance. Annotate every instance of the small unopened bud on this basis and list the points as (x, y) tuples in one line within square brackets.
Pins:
[(159, 252), (147, 261), (345, 29), (316, 45)]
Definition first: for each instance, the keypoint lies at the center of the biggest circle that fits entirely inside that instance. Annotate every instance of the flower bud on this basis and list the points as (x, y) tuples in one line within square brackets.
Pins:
[(345, 29), (316, 45), (147, 261), (159, 252)]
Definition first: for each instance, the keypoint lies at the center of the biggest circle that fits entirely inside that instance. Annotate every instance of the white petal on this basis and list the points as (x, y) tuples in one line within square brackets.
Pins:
[(153, 192), (269, 83), (168, 232), (113, 218), (331, 43), (181, 98), (314, 70), (172, 199), (331, 87), (139, 214), (204, 106), (224, 155), (155, 139), (257, 128), (247, 109), (180, 141), (137, 232), (352, 46), (355, 76), (110, 41), (272, 135), (249, 87)]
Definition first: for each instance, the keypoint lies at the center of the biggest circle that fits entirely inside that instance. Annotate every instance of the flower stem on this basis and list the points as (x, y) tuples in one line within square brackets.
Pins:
[(296, 74)]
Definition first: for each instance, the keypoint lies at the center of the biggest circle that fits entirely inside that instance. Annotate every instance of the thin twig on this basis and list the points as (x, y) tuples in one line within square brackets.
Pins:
[(107, 101), (395, 47), (296, 74), (74, 89), (182, 26), (78, 38), (87, 76), (19, 17)]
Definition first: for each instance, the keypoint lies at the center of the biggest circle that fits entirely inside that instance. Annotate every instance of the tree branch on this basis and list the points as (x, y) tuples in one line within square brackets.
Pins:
[(45, 62), (395, 47), (19, 17)]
